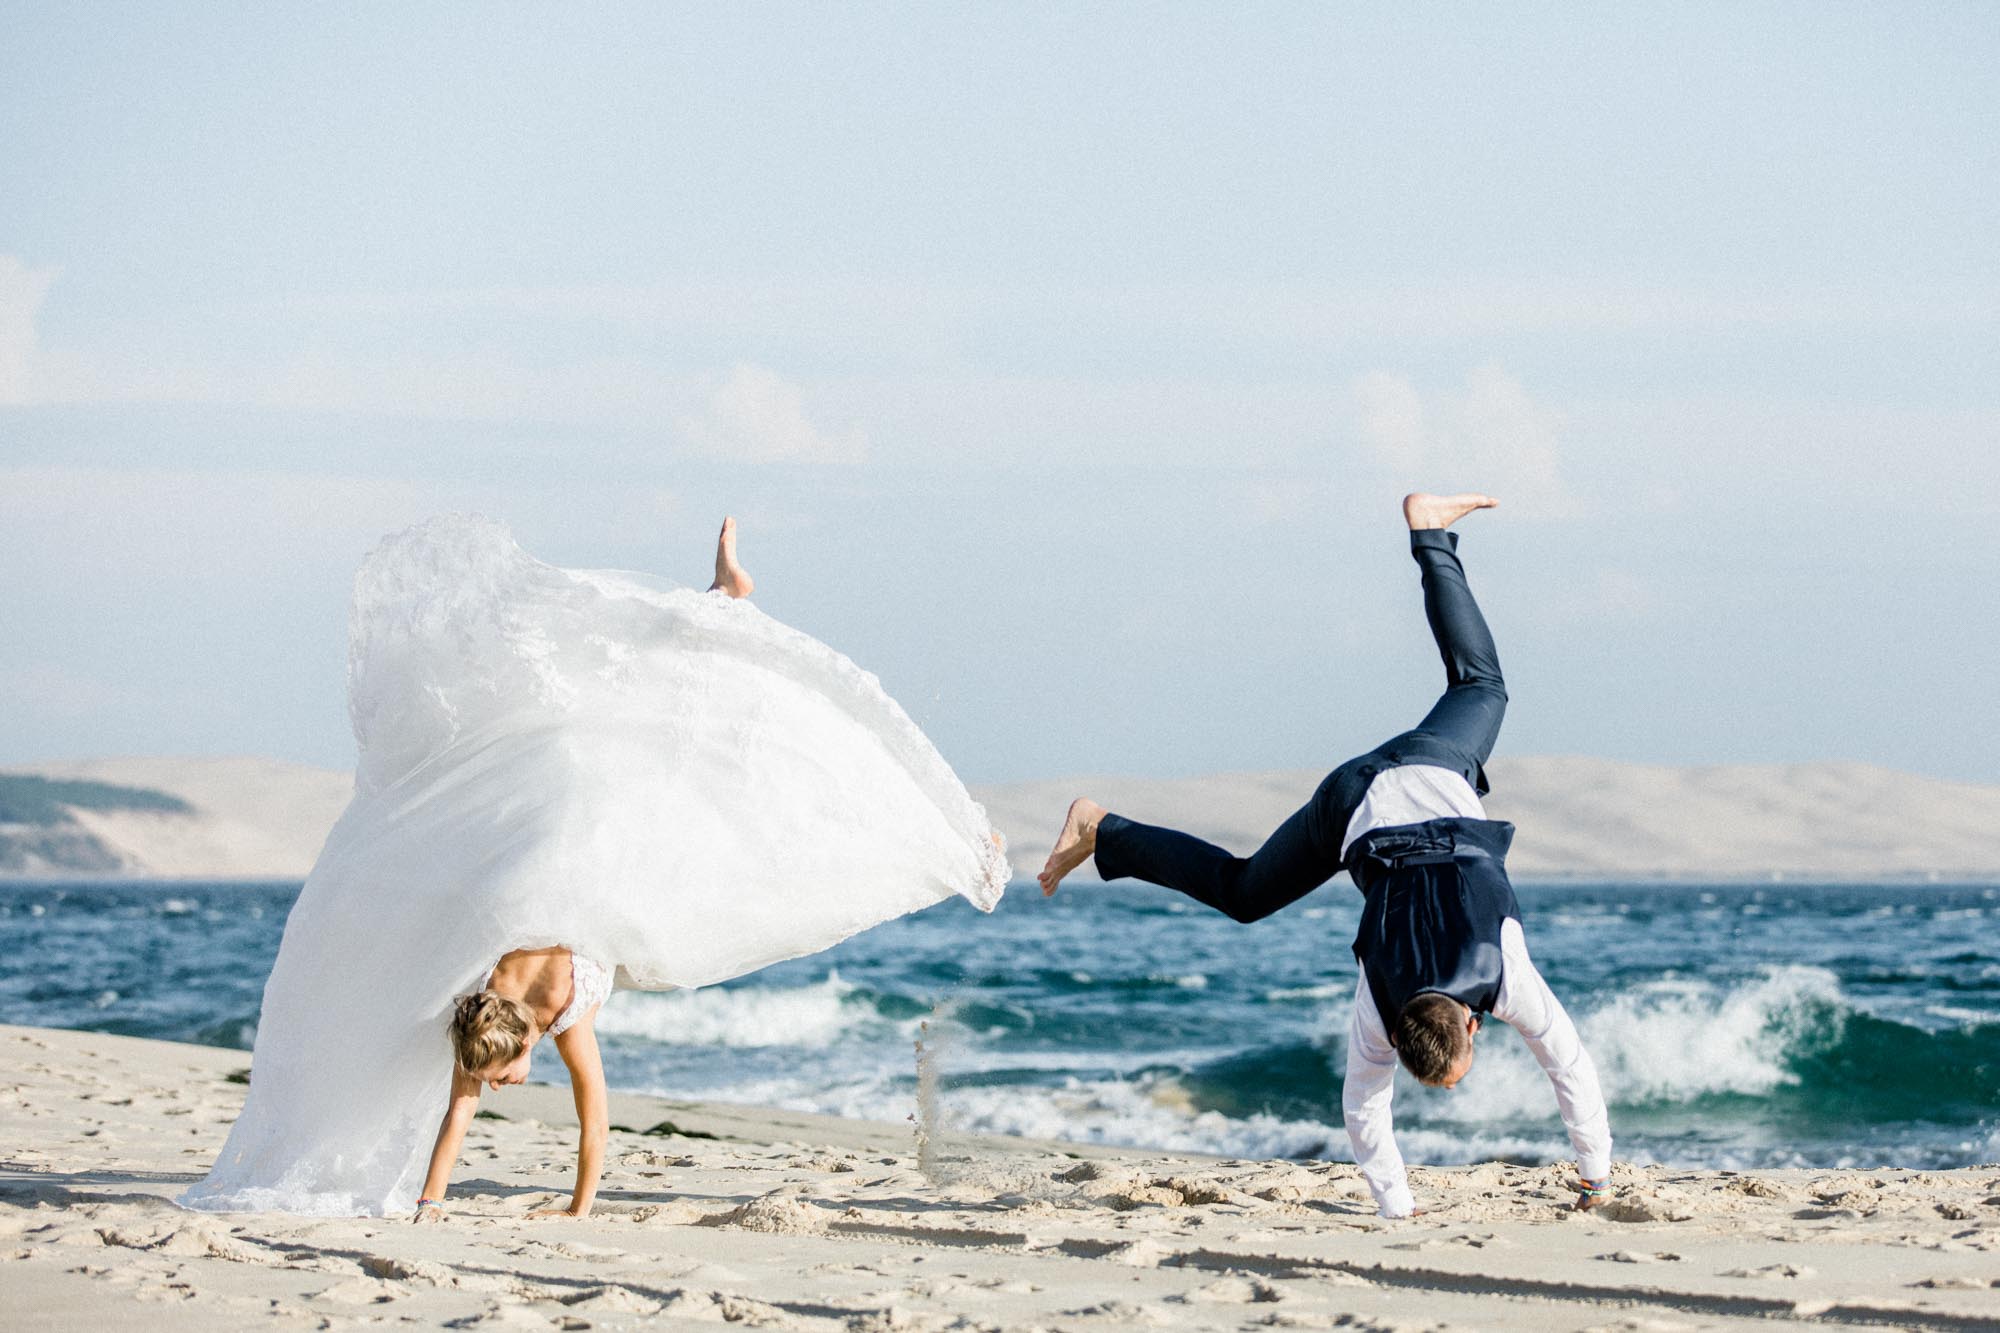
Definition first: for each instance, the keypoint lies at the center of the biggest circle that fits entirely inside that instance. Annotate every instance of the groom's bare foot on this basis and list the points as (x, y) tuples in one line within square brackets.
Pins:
[(730, 577), (1441, 511), (1074, 844)]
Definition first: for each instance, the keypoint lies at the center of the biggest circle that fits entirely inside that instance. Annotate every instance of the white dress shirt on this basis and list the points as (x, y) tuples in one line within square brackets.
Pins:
[(1408, 795), (1411, 794)]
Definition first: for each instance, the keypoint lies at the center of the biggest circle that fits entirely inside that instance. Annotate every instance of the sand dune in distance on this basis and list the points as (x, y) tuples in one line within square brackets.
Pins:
[(1578, 817)]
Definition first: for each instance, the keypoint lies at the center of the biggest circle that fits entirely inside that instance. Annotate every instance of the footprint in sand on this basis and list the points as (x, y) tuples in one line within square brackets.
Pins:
[(1142, 1253), (359, 1291), (1642, 1208), (577, 1250), (1125, 1312), (1770, 1271), (1232, 1290), (1464, 1241), (614, 1300), (680, 1212), (776, 1214), (169, 1292), (1200, 1193), (501, 1316), (1141, 1196), (820, 1162)]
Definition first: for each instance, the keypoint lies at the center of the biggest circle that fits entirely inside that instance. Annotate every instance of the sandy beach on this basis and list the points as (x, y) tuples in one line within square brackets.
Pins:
[(774, 1219)]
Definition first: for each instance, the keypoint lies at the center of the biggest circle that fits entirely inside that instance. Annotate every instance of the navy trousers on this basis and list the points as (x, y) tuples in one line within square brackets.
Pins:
[(1304, 852)]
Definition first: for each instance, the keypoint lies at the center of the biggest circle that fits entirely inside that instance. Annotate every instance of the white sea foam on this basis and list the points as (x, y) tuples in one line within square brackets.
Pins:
[(1152, 1113), (1326, 990), (1155, 1113), (969, 1058), (1659, 1041), (1961, 1018), (1677, 1040), (746, 1016), (1663, 1041)]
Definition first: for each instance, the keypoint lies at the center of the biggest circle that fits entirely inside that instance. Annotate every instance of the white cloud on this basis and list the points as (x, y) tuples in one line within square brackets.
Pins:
[(756, 416), (1490, 436), (22, 291), (1390, 415)]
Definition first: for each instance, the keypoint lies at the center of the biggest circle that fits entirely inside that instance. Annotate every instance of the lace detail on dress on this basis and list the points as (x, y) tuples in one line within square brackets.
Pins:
[(591, 986)]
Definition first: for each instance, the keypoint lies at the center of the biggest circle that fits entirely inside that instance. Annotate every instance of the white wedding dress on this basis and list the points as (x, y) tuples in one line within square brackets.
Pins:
[(668, 782)]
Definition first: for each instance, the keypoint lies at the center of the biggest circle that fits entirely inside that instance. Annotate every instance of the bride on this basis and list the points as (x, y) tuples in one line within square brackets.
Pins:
[(566, 777)]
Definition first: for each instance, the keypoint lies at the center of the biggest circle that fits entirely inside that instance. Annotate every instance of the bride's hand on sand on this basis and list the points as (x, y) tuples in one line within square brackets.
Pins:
[(424, 1215)]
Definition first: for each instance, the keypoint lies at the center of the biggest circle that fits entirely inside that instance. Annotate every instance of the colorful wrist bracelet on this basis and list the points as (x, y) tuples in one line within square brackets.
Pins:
[(1595, 1188), (429, 1203)]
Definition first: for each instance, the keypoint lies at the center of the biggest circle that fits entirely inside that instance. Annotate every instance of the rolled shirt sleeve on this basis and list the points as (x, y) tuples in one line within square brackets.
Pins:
[(1365, 1102), (1528, 1006)]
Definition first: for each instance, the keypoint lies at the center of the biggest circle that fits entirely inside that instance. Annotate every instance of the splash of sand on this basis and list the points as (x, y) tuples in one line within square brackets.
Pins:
[(935, 1038)]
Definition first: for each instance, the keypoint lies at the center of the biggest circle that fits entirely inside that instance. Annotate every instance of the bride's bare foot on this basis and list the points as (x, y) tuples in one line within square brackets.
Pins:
[(1074, 844), (1441, 511), (730, 577)]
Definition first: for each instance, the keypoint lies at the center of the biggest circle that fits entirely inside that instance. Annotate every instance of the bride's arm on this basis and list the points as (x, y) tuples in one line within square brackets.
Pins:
[(578, 1048), (451, 1136)]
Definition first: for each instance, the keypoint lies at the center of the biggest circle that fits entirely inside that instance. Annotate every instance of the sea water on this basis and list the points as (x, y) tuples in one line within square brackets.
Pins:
[(1733, 1026)]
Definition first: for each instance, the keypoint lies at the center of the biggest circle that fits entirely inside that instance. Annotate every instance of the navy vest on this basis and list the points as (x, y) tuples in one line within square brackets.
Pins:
[(1436, 894)]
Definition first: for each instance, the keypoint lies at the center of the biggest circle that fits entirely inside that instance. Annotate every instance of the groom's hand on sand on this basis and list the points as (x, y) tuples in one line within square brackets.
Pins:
[(554, 1212)]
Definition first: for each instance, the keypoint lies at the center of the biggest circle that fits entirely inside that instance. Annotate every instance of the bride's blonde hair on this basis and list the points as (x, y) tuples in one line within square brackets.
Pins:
[(488, 1030)]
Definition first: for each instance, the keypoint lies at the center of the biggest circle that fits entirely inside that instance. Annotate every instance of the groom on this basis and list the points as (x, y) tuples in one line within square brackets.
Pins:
[(1440, 942)]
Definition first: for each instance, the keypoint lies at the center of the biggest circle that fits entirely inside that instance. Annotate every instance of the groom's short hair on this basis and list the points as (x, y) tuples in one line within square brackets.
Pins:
[(1431, 1036)]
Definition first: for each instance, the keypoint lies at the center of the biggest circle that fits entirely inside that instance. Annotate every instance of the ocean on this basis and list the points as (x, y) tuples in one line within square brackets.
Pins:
[(1733, 1025)]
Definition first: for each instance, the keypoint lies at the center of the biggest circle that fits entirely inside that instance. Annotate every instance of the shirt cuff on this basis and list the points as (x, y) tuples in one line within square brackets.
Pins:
[(1594, 1167), (1396, 1202)]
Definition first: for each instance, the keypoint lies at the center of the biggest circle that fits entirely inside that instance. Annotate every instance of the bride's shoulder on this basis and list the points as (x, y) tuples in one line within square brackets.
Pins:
[(555, 952), (533, 964)]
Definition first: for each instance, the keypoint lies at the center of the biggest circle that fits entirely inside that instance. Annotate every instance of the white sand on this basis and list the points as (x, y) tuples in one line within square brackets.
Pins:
[(262, 818), (799, 1222)]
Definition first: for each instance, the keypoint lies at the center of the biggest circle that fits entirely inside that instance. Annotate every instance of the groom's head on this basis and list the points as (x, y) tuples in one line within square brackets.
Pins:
[(1433, 1038)]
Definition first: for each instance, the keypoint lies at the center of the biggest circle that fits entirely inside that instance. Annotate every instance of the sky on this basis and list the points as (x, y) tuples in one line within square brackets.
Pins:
[(1063, 364)]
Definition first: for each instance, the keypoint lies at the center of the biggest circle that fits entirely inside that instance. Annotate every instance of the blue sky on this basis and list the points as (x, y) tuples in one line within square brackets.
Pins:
[(1064, 365)]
